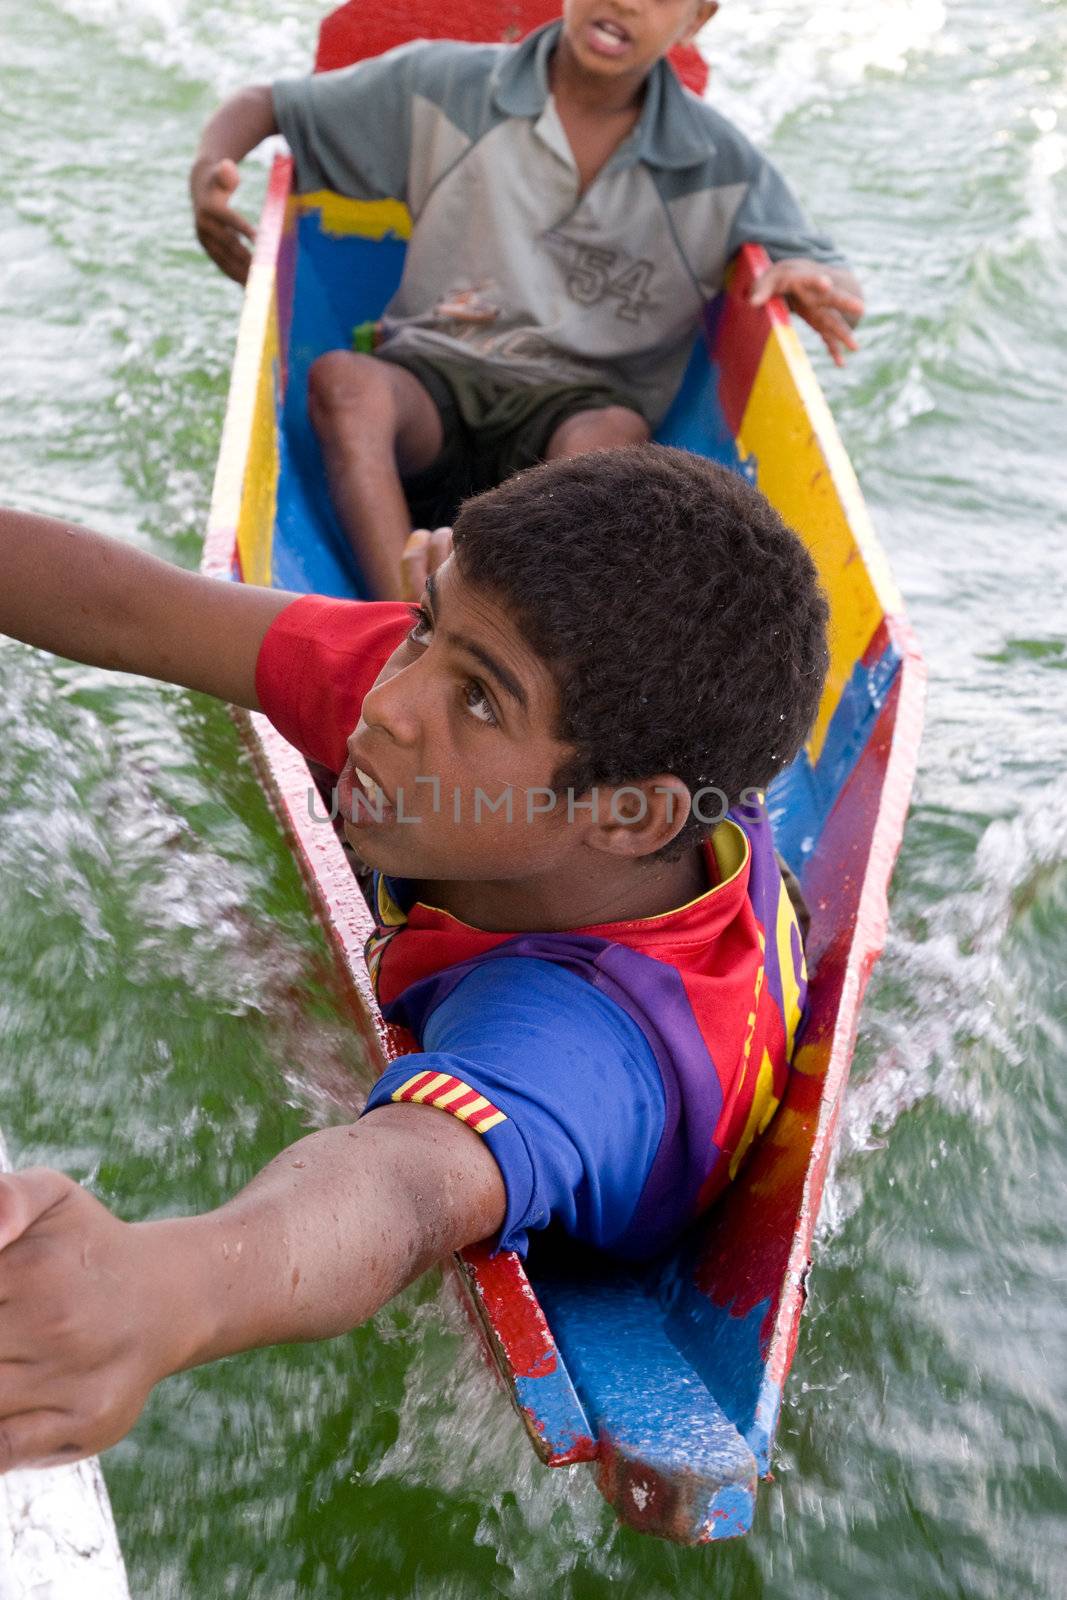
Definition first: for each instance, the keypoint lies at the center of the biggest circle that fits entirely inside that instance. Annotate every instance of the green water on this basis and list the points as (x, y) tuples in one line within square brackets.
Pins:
[(166, 1015)]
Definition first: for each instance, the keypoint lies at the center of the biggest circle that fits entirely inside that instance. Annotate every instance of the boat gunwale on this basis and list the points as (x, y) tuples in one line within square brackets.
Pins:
[(866, 943)]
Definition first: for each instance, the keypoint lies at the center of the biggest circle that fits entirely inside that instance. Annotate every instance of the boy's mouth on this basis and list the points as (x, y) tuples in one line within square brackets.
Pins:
[(360, 797), (370, 786), (608, 37)]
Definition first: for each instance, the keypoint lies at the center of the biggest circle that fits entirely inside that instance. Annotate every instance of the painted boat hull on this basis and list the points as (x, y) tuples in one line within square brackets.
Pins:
[(669, 1379)]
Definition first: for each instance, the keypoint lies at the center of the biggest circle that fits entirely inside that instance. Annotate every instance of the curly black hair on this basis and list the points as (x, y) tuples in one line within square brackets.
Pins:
[(681, 619)]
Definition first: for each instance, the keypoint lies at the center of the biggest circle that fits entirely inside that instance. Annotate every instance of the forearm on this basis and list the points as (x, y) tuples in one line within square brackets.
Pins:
[(77, 593), (98, 600), (329, 1231), (240, 123), (94, 1311)]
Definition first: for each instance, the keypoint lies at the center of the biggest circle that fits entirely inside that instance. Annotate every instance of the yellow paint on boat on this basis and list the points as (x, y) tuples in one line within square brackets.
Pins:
[(246, 480), (259, 498), (804, 471), (810, 1058), (370, 219)]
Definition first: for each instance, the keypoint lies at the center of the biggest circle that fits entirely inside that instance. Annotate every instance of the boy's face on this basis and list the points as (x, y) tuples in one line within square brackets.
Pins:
[(461, 717), (621, 38)]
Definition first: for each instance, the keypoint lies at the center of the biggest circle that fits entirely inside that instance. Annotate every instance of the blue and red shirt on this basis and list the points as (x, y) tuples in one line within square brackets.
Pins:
[(617, 1072)]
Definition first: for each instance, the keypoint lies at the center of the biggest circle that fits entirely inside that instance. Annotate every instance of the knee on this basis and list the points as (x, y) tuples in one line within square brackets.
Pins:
[(603, 429), (342, 384), (620, 425)]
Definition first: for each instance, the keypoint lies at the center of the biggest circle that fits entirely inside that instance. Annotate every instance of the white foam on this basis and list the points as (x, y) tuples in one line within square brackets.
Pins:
[(769, 60), (1044, 182), (959, 978), (223, 46), (457, 1432)]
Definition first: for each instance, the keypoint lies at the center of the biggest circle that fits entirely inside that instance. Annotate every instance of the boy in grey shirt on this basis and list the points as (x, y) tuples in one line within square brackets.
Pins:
[(574, 208)]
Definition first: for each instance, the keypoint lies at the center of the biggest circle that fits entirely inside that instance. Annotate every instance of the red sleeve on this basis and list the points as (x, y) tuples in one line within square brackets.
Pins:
[(318, 660)]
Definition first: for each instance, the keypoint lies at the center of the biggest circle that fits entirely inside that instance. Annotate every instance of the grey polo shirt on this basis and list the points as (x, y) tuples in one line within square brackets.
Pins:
[(508, 262)]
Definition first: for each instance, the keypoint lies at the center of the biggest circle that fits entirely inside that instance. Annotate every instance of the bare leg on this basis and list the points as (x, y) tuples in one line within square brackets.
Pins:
[(602, 429), (374, 421)]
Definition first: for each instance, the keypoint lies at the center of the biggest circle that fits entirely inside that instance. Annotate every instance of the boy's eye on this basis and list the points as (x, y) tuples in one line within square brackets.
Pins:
[(422, 625), (474, 697), (477, 703)]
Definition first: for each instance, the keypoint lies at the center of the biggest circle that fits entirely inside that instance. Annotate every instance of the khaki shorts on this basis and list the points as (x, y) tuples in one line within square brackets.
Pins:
[(493, 426)]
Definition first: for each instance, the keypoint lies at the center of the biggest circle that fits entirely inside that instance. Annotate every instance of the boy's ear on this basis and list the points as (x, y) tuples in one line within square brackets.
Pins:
[(706, 9), (637, 819)]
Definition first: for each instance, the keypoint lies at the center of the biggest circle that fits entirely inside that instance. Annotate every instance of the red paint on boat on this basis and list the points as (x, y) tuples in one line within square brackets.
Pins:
[(742, 333), (359, 30)]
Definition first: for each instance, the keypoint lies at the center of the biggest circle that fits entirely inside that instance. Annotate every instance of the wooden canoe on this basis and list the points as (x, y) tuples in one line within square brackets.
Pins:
[(668, 1380)]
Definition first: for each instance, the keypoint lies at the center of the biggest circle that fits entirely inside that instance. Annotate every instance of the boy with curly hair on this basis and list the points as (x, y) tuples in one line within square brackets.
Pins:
[(554, 763), (574, 209)]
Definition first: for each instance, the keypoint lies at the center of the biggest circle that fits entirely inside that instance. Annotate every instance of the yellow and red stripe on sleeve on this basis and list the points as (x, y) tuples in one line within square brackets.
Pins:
[(450, 1094)]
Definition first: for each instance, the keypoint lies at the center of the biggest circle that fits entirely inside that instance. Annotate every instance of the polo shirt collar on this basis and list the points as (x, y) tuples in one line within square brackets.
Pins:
[(727, 851), (520, 77), (669, 133)]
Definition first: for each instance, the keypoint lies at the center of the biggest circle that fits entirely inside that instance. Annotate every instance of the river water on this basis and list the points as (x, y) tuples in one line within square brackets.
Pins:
[(168, 1020)]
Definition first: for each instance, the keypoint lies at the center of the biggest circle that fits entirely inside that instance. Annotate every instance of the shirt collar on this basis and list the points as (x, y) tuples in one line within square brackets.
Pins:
[(726, 850), (519, 83), (669, 133)]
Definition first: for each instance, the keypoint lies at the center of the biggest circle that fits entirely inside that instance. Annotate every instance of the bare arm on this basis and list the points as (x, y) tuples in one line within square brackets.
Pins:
[(240, 123), (94, 1311), (97, 600)]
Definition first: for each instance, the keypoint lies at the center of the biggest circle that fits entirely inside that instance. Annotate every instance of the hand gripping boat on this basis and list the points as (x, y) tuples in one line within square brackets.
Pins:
[(669, 1380)]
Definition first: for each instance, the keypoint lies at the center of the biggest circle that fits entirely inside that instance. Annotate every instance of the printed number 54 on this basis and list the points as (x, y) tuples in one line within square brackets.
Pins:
[(590, 281)]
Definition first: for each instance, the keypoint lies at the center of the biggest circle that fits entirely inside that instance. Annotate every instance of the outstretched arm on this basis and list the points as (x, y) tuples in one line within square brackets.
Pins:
[(94, 1311), (240, 123), (97, 600)]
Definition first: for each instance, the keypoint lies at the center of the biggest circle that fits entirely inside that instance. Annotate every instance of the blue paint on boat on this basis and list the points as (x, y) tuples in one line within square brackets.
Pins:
[(730, 1513), (554, 1409), (664, 1428), (765, 1423), (695, 420), (728, 1353), (801, 798), (340, 282)]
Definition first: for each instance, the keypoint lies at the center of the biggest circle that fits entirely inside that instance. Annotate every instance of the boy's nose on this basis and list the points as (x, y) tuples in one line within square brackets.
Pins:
[(390, 707)]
